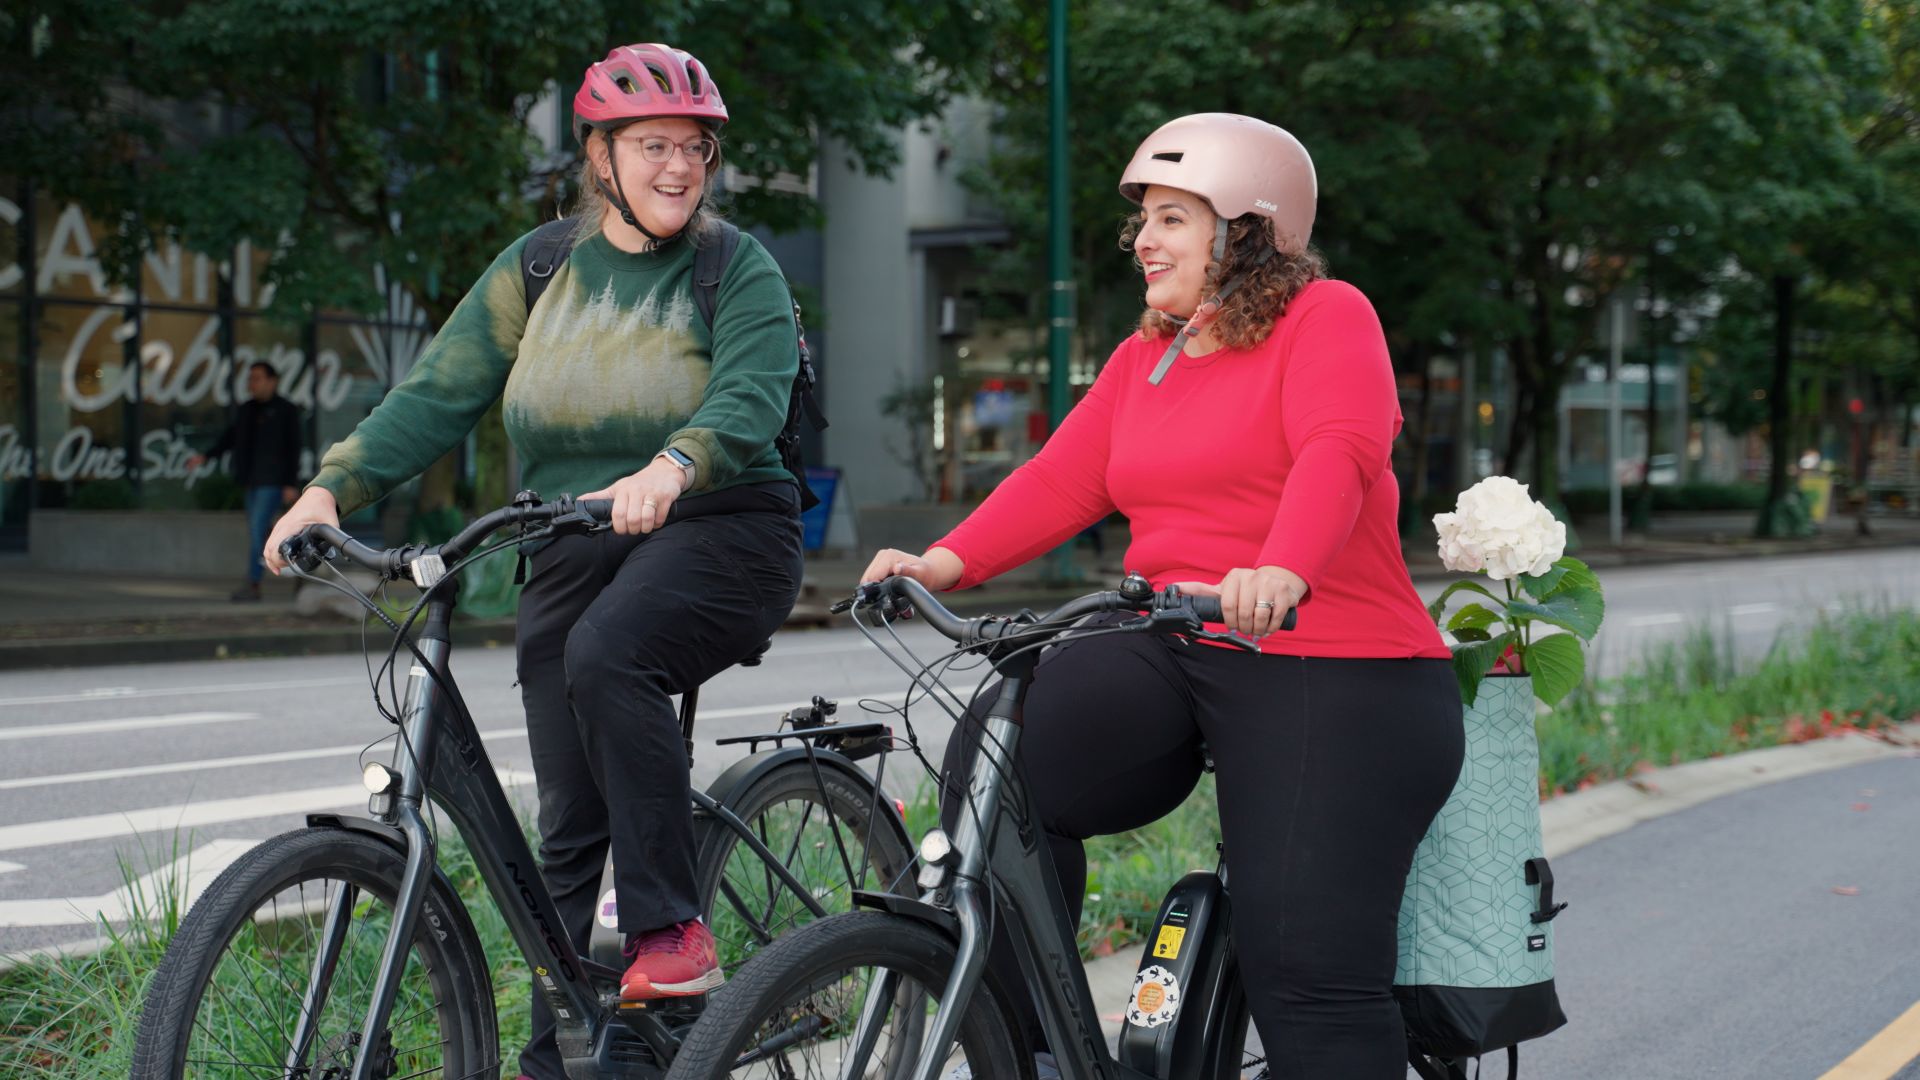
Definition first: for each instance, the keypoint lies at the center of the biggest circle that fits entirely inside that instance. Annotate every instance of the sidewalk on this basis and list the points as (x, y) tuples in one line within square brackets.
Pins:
[(60, 619)]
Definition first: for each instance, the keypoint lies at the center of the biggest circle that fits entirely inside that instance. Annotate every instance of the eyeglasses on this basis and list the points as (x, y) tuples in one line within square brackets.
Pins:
[(656, 150)]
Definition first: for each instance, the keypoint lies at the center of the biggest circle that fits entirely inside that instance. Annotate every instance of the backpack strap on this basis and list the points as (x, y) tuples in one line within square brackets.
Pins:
[(710, 262), (546, 250)]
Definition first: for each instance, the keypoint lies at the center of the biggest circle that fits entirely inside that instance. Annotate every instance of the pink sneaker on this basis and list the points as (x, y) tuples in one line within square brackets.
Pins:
[(674, 961)]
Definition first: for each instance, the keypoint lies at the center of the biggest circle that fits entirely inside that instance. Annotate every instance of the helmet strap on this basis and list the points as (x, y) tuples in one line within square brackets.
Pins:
[(618, 195), (1205, 313)]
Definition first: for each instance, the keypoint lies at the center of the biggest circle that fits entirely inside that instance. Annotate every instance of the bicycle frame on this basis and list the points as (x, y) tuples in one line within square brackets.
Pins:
[(989, 839), (442, 757)]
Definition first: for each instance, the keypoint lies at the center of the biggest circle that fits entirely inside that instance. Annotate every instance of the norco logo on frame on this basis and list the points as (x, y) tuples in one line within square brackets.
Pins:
[(553, 944)]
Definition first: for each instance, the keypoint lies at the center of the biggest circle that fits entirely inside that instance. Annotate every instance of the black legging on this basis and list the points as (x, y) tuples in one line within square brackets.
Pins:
[(1329, 771)]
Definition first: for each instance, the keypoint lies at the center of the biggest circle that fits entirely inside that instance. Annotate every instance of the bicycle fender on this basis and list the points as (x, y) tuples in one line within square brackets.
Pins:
[(918, 910), (381, 831), (742, 775)]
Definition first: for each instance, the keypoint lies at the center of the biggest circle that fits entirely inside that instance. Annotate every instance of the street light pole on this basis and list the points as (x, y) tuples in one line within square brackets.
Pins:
[(1615, 532), (1059, 220)]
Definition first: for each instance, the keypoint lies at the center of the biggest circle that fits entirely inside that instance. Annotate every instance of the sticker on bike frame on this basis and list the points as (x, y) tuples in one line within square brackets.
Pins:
[(1156, 997), (609, 912), (1167, 945)]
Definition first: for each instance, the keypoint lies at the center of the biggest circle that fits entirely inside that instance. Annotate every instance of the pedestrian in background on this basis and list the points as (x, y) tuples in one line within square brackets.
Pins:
[(265, 441)]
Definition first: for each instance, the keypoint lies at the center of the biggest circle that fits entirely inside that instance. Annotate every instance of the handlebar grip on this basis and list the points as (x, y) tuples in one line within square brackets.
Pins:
[(600, 510), (1208, 608)]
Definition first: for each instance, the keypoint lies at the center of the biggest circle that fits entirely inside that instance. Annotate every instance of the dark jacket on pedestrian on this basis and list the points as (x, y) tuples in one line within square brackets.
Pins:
[(265, 440)]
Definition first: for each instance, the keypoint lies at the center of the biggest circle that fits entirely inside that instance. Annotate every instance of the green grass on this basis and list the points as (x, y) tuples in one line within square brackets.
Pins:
[(76, 1018), (1859, 670)]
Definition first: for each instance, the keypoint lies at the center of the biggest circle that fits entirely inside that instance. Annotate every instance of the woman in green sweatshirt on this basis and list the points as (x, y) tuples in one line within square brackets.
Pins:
[(615, 387)]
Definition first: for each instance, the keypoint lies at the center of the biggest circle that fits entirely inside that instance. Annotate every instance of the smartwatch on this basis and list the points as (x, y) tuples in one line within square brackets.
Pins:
[(681, 459)]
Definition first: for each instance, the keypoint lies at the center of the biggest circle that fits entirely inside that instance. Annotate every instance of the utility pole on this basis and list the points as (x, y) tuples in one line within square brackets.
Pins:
[(1059, 221)]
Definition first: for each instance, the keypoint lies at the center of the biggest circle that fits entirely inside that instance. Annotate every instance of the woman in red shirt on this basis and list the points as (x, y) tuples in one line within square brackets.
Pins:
[(1246, 433)]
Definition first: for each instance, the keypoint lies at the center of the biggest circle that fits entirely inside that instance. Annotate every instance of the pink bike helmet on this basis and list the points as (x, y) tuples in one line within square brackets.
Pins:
[(1240, 165), (642, 82)]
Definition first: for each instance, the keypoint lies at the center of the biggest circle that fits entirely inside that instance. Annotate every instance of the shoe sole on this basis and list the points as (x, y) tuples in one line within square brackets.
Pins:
[(645, 991)]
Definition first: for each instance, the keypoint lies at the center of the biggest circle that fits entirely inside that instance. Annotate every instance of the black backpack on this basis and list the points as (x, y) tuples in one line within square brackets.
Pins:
[(548, 247)]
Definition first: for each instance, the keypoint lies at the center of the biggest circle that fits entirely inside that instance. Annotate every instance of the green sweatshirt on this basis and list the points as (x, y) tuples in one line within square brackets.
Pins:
[(613, 365)]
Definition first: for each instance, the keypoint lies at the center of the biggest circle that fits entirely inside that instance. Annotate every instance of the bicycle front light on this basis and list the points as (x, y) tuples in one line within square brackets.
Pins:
[(936, 854), (378, 778)]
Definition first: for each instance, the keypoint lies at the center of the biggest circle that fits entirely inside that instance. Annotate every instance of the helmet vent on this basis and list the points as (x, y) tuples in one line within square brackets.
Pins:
[(1170, 155), (660, 79), (694, 80)]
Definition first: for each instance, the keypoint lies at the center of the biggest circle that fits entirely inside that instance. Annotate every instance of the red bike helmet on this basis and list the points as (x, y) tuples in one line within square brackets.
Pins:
[(641, 82)]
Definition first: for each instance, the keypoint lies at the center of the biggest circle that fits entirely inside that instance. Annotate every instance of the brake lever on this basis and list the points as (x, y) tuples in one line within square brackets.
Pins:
[(863, 596), (1181, 620), (1235, 640)]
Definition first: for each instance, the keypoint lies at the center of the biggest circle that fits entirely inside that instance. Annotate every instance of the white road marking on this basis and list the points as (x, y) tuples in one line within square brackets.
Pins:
[(1666, 619), (772, 712), (98, 693), (131, 771), (37, 834), (1753, 609), (131, 723), (182, 881), (10, 867)]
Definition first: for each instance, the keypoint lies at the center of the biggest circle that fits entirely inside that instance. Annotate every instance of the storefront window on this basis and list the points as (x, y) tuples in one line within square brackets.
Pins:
[(128, 384), (16, 456), (86, 406)]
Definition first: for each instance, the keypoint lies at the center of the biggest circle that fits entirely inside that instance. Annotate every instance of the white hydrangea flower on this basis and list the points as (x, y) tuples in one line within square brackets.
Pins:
[(1495, 527)]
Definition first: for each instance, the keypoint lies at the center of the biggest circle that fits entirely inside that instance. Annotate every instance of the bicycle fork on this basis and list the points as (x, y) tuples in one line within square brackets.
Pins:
[(417, 733)]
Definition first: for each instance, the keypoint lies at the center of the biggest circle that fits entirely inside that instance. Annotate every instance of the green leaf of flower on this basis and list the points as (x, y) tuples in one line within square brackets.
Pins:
[(1567, 573), (1577, 610), (1557, 664), (1471, 617), (1472, 662), (1440, 602), (1468, 633)]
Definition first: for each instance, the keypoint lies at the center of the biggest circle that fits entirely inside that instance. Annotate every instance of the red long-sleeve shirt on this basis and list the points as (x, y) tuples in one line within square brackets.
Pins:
[(1279, 455)]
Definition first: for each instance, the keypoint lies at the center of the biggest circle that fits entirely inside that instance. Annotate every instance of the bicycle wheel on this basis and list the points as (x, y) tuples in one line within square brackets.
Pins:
[(795, 1010), (747, 904), (229, 994)]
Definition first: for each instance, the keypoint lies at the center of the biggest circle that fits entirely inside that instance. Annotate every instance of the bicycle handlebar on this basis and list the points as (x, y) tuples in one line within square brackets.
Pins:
[(1168, 606), (319, 543)]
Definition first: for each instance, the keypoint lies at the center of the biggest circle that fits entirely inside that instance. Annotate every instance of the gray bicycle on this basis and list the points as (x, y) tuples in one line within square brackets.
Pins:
[(902, 989), (344, 951)]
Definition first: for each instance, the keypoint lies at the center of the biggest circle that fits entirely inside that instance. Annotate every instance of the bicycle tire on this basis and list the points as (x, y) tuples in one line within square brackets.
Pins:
[(722, 855), (446, 949), (766, 988)]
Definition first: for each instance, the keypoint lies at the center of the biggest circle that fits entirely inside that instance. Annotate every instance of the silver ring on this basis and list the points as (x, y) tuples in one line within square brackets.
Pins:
[(648, 501), (1263, 603)]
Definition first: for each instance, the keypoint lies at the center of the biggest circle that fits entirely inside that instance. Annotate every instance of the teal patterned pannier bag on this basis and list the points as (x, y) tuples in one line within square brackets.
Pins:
[(1475, 970)]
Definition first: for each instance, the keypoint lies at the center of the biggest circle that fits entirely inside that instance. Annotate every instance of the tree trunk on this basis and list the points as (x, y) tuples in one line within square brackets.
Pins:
[(1416, 490), (1520, 427), (1781, 515)]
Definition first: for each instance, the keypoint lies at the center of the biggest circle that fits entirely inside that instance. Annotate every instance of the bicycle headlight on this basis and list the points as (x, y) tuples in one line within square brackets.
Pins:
[(378, 778), (935, 848)]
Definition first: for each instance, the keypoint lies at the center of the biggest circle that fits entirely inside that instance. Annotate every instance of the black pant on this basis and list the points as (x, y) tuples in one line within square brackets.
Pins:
[(1329, 772), (609, 628)]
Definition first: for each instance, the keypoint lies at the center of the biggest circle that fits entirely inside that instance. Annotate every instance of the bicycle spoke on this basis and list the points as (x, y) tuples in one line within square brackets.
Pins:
[(739, 905)]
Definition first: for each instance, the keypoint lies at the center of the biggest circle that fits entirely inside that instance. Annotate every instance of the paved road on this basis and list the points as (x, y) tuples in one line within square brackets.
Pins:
[(101, 767), (1763, 935)]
